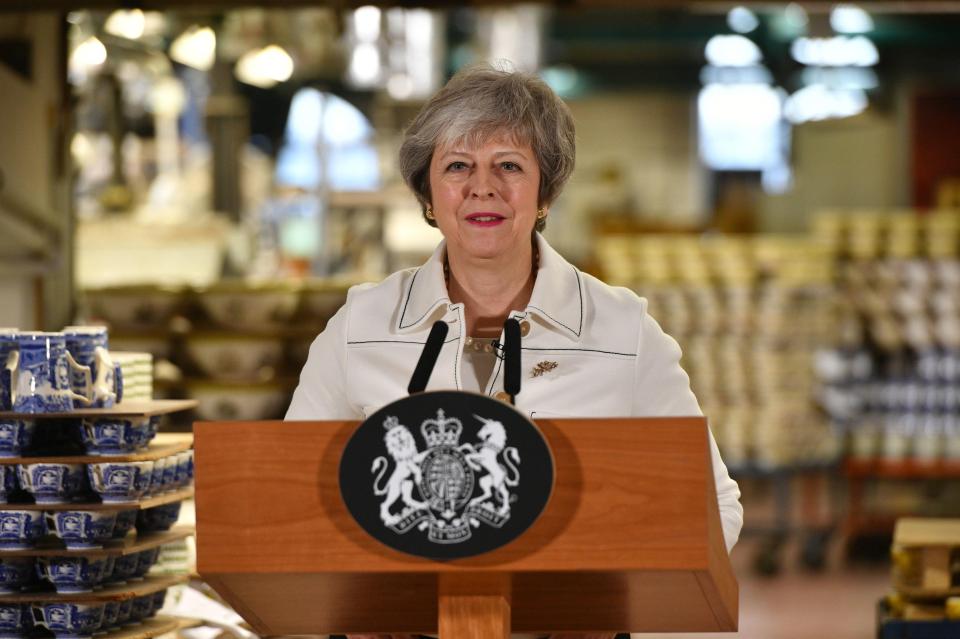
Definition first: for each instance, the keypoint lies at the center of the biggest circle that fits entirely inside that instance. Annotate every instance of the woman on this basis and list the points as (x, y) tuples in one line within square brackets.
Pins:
[(486, 157)]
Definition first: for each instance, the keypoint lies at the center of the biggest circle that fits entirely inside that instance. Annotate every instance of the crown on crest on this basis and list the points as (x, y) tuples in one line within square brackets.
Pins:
[(391, 422), (442, 431)]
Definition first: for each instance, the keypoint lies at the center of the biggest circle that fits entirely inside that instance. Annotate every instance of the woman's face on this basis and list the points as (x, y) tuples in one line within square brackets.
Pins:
[(485, 198)]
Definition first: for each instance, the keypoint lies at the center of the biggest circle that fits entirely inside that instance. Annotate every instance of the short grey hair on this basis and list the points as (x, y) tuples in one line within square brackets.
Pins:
[(479, 103)]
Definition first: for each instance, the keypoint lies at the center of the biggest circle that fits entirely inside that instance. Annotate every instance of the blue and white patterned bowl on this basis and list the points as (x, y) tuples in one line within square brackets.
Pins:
[(126, 519), (69, 620), (159, 598), (156, 479), (72, 574), (16, 574), (145, 561), (8, 482), (124, 567), (142, 607), (15, 436), (170, 473), (110, 611), (16, 620), (184, 463), (52, 483), (116, 436), (123, 613), (81, 529), (158, 518), (20, 529), (120, 482)]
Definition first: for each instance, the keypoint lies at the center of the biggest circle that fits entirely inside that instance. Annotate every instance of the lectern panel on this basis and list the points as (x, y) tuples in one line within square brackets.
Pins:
[(630, 540)]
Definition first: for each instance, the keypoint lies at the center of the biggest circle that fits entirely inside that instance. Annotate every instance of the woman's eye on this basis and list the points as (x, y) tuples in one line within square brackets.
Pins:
[(456, 166), (510, 166)]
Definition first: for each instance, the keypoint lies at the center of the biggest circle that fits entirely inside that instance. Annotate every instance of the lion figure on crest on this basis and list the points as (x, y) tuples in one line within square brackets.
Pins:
[(403, 448), (493, 437)]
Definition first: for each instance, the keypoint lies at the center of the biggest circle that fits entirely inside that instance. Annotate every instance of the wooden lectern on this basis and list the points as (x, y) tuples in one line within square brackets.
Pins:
[(630, 541)]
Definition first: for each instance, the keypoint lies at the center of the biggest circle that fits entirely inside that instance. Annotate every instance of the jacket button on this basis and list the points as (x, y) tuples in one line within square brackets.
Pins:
[(503, 396), (524, 328)]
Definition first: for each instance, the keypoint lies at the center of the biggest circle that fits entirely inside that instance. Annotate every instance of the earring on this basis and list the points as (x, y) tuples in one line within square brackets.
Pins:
[(541, 214), (429, 214)]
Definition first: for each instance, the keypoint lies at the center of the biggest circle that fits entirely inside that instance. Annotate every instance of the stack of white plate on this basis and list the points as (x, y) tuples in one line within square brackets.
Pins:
[(137, 371)]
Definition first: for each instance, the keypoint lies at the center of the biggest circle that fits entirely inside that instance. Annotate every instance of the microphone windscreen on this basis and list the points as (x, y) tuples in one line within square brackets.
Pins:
[(511, 355), (428, 358)]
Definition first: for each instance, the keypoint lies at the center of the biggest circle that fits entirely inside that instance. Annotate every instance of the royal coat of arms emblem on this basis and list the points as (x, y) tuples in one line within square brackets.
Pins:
[(439, 474), (444, 477)]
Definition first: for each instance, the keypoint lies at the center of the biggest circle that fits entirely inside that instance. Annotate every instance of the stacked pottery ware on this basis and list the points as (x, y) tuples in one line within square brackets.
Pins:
[(72, 480)]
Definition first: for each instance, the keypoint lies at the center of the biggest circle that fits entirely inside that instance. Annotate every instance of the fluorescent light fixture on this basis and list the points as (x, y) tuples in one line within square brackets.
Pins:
[(818, 102), (732, 51), (264, 67), (841, 77), (422, 59), (849, 18), (740, 126), (838, 51), (364, 70), (756, 74), (196, 47), (125, 23), (366, 24), (89, 54), (742, 20)]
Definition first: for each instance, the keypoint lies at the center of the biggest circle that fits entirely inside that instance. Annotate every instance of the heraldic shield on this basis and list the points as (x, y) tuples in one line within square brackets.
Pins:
[(446, 474)]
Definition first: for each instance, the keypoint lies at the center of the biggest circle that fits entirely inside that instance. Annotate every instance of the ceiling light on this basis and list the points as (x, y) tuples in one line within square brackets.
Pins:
[(849, 18), (265, 67), (88, 54), (365, 65), (838, 51), (818, 102), (841, 77), (196, 47), (127, 24), (732, 51), (742, 20), (366, 23)]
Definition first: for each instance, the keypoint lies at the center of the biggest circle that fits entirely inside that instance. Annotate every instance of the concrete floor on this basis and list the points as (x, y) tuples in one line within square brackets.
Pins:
[(838, 603)]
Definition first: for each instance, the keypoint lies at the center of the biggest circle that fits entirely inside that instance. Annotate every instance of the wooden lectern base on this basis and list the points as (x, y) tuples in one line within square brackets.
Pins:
[(483, 617)]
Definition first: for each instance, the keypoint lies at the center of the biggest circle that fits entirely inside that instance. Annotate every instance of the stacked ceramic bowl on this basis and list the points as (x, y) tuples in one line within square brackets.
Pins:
[(73, 573), (78, 620)]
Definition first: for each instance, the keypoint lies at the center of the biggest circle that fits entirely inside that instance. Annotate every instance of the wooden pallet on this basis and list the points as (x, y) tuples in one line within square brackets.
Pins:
[(926, 558)]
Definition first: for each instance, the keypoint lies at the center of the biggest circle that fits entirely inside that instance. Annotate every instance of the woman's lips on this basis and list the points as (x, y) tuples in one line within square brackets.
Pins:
[(485, 219)]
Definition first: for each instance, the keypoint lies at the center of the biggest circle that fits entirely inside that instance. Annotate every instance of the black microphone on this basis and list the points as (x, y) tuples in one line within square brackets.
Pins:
[(511, 356), (428, 358)]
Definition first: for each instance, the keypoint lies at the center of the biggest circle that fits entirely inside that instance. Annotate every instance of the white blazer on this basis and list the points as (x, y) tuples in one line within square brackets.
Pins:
[(612, 358)]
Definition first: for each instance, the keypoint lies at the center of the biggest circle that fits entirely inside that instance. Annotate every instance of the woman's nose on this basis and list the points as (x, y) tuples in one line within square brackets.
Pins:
[(481, 184)]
